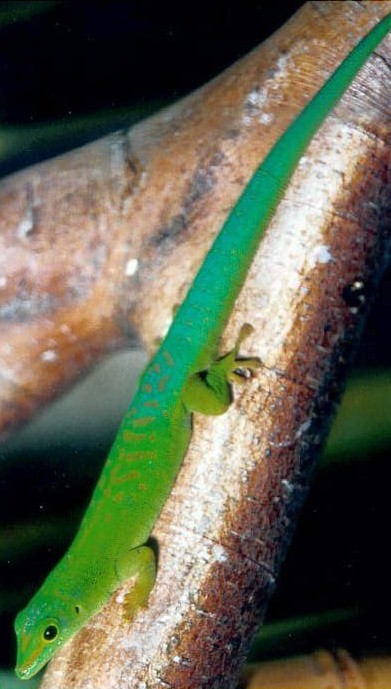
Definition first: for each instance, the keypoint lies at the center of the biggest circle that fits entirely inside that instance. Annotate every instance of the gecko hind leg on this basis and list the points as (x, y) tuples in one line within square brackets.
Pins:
[(209, 392)]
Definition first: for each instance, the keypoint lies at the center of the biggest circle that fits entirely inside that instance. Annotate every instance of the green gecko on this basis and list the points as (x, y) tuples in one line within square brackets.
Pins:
[(184, 376)]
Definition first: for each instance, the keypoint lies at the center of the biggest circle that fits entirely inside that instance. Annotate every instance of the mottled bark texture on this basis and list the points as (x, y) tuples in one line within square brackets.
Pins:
[(102, 243)]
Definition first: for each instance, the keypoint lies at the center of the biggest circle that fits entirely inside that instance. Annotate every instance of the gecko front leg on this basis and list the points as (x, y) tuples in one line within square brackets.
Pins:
[(139, 563)]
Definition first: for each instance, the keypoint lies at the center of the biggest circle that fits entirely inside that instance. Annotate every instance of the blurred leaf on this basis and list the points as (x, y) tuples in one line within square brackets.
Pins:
[(363, 422), (22, 539), (9, 681), (13, 12), (296, 633)]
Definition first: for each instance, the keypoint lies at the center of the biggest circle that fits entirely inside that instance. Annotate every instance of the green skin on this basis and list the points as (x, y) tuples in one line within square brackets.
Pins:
[(184, 376)]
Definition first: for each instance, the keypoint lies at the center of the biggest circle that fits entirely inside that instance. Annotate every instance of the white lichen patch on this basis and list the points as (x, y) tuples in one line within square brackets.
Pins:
[(266, 118), (166, 326), (303, 428), (257, 98), (303, 162), (320, 254), (66, 330), (26, 226), (220, 554), (3, 282), (255, 106), (282, 63), (49, 355), (288, 486), (131, 267)]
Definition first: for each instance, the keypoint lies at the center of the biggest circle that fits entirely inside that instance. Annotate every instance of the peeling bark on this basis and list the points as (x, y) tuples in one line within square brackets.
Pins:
[(121, 215)]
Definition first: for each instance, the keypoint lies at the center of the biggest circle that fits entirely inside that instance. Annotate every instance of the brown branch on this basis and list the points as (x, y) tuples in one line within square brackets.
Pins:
[(151, 201), (320, 669)]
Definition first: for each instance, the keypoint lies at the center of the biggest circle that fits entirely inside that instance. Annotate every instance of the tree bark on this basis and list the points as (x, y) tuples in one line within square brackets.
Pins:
[(92, 245)]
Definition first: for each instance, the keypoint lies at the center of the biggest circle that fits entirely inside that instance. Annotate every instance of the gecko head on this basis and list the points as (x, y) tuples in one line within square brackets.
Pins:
[(41, 629)]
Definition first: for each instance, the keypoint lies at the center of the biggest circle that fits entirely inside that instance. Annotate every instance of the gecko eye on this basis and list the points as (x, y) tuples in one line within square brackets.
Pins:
[(50, 632)]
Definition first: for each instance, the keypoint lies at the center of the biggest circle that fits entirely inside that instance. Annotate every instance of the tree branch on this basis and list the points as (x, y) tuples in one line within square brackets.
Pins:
[(152, 200)]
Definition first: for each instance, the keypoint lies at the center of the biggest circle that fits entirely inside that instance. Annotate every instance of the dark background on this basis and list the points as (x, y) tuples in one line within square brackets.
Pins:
[(70, 72), (73, 60)]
